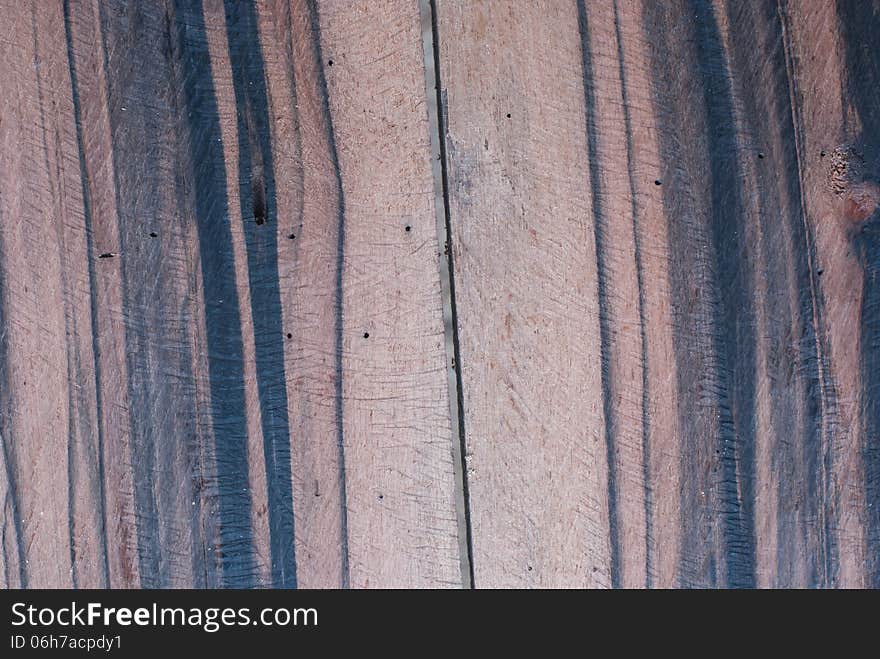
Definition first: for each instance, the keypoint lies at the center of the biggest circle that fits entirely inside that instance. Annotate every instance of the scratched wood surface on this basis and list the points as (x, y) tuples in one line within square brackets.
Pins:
[(664, 235), (227, 333), (222, 357)]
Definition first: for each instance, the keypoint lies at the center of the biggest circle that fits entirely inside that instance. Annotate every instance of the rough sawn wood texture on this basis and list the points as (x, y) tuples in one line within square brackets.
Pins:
[(664, 220), (640, 347), (222, 359)]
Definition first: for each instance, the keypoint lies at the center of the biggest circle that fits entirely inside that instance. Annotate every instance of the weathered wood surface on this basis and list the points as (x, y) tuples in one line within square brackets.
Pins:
[(666, 289), (222, 355), (223, 359)]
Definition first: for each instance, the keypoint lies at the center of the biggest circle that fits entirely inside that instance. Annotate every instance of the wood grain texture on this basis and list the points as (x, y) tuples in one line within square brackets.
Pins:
[(609, 317), (222, 348), (663, 223), (527, 300)]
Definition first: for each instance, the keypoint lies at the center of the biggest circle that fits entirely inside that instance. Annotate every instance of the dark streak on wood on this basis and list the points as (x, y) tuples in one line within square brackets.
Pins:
[(731, 303), (98, 457), (599, 221), (11, 505), (205, 170), (257, 190), (631, 156), (312, 12), (765, 82)]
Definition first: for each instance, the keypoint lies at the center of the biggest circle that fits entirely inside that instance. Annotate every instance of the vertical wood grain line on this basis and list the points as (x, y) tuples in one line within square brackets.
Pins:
[(93, 304), (732, 303), (222, 310), (637, 257), (601, 268), (93, 309), (314, 22), (256, 182), (817, 392), (439, 166), (11, 504), (65, 295)]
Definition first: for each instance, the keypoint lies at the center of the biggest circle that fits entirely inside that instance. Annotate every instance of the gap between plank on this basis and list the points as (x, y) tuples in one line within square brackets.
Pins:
[(431, 48)]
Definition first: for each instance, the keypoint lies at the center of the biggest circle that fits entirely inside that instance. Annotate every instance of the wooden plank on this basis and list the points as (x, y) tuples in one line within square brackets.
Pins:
[(524, 250), (667, 329), (833, 71), (222, 352), (400, 466)]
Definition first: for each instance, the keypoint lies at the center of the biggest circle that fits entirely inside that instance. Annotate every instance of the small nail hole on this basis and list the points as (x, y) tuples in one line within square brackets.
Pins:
[(330, 62), (366, 335), (289, 335), (761, 156), (292, 236), (658, 182), (508, 115), (153, 234), (407, 228)]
